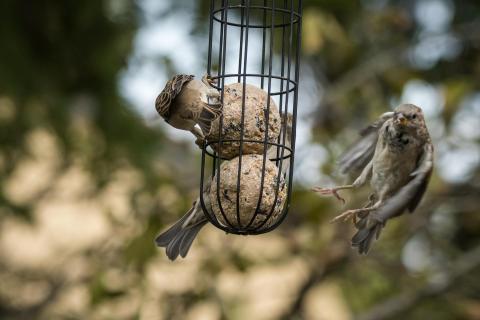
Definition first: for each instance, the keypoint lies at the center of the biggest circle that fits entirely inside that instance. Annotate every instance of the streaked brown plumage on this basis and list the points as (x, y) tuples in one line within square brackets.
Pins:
[(396, 154), (186, 102)]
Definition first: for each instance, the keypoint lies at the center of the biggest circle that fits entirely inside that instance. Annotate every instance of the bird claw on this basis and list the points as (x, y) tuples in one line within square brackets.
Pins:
[(347, 215), (206, 79), (200, 142), (329, 191)]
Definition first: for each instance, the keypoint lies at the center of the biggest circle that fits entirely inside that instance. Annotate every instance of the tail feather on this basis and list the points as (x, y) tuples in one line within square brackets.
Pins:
[(360, 237), (182, 241), (166, 237), (364, 237), (188, 237), (178, 239), (173, 248)]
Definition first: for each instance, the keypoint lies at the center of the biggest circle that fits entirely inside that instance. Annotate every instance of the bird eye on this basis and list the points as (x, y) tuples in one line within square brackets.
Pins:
[(414, 116)]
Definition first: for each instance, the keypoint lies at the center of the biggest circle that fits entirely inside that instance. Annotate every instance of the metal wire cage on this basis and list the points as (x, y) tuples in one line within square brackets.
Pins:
[(254, 42)]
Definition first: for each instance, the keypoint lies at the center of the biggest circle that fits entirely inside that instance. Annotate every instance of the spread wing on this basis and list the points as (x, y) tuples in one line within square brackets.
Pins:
[(171, 90), (361, 152), (410, 195)]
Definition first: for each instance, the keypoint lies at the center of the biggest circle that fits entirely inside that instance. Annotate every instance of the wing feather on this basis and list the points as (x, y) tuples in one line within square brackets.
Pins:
[(361, 152)]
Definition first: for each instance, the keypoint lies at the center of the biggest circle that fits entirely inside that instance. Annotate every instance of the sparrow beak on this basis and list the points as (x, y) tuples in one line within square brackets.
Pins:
[(402, 120)]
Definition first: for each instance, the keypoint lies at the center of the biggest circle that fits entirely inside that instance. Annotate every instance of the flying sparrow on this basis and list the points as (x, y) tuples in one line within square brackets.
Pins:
[(179, 237), (185, 102), (396, 154)]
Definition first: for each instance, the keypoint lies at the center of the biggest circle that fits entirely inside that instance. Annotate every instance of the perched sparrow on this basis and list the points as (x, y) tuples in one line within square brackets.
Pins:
[(179, 237), (275, 152), (396, 155), (185, 102)]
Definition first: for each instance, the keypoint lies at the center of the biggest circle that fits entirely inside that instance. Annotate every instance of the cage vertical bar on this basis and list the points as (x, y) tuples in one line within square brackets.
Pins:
[(254, 42)]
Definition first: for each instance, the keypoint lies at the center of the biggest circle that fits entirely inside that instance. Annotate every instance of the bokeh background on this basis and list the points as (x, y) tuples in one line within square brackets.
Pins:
[(90, 174)]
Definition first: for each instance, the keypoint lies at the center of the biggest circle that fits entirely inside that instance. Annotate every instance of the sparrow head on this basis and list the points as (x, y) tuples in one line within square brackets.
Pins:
[(408, 117)]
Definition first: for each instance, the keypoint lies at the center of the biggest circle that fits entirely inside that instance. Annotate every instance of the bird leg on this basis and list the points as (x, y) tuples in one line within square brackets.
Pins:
[(333, 191), (208, 81), (360, 181), (199, 135), (212, 92), (353, 213), (371, 201)]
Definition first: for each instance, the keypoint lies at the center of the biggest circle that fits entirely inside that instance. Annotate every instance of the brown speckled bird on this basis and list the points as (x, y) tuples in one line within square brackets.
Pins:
[(185, 102), (179, 237), (396, 154)]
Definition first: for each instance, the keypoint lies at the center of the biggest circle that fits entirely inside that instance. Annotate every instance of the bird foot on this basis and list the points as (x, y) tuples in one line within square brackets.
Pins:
[(200, 142), (329, 191), (207, 80), (347, 215)]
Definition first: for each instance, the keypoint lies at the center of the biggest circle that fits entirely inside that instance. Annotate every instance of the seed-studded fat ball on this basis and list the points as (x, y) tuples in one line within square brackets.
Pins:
[(250, 179), (254, 121)]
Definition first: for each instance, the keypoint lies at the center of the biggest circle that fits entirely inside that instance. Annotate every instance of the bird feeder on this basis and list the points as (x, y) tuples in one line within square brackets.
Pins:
[(253, 60)]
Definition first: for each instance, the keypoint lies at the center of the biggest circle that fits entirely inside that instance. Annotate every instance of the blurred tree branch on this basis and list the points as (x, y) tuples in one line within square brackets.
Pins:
[(56, 284), (377, 64), (329, 262), (436, 285), (32, 312)]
